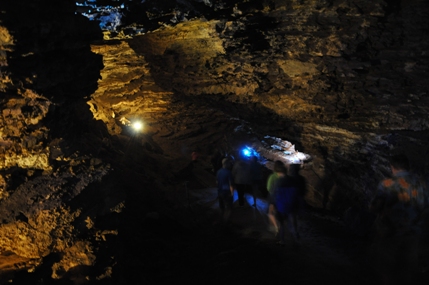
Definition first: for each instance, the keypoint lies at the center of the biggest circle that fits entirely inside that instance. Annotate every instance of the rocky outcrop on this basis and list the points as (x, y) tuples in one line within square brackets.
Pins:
[(45, 163)]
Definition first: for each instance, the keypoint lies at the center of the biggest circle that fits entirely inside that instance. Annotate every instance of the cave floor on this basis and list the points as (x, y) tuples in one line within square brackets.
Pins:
[(181, 240), (325, 251), (204, 250), (328, 252)]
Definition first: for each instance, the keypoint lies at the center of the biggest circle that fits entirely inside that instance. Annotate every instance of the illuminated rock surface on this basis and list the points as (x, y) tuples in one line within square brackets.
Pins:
[(85, 199)]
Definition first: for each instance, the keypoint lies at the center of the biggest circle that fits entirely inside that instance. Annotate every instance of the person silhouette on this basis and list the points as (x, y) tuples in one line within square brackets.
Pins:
[(242, 178), (398, 203), (286, 201), (256, 177), (225, 188)]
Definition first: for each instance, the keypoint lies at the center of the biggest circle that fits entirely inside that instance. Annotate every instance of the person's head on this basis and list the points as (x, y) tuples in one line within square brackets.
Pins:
[(279, 167), (399, 162), (294, 169), (226, 162)]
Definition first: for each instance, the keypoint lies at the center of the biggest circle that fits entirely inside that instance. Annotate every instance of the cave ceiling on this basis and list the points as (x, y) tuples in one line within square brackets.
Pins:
[(344, 82)]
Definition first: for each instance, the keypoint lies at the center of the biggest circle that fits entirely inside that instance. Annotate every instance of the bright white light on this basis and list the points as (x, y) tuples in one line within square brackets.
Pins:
[(301, 156), (137, 126)]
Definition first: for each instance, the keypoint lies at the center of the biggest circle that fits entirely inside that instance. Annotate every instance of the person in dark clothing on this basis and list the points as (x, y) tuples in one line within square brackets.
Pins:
[(225, 188), (242, 179), (216, 160), (286, 200), (293, 171), (256, 177)]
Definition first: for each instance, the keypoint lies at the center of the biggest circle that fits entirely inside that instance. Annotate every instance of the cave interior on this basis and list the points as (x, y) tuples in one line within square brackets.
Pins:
[(104, 104)]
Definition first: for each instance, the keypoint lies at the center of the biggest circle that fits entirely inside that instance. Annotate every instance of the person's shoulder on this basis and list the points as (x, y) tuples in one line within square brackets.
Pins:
[(292, 181), (221, 170), (282, 180)]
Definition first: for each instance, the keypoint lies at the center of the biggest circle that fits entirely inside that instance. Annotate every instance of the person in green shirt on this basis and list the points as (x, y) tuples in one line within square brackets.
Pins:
[(278, 167), (272, 178)]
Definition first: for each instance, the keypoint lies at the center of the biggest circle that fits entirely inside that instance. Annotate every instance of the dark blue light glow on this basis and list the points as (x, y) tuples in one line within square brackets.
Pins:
[(249, 152)]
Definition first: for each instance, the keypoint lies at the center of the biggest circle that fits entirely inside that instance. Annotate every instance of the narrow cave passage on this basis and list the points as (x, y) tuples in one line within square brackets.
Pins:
[(176, 210)]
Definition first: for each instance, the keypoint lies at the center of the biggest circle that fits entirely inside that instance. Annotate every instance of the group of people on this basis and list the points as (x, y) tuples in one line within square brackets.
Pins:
[(286, 190), (244, 176), (400, 208)]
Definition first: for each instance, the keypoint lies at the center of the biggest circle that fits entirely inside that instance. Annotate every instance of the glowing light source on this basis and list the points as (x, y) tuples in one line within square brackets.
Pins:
[(137, 126), (248, 152)]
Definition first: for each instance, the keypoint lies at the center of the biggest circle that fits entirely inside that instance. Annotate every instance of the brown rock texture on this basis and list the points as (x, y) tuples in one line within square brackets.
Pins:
[(344, 82)]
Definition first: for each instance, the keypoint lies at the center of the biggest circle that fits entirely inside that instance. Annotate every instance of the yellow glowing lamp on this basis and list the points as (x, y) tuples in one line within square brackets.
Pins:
[(137, 126)]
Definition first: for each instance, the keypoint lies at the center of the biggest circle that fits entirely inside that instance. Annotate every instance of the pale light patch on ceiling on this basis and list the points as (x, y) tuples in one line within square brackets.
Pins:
[(337, 130), (295, 68), (289, 105), (188, 38)]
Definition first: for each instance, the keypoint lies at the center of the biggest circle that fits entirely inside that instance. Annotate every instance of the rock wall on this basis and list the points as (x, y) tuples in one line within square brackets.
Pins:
[(47, 68), (344, 81)]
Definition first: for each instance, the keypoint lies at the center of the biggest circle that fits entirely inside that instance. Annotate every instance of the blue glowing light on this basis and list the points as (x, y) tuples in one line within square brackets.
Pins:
[(249, 152)]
